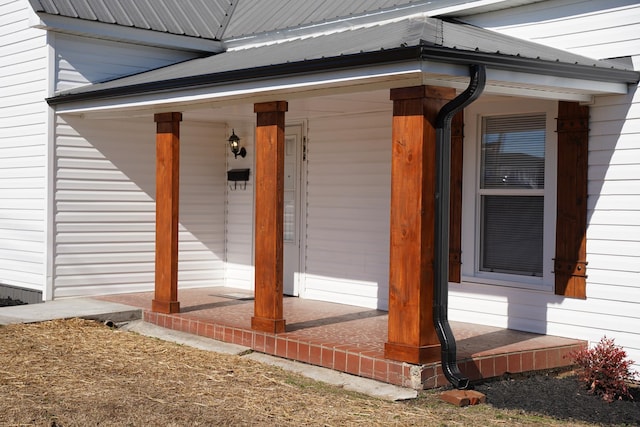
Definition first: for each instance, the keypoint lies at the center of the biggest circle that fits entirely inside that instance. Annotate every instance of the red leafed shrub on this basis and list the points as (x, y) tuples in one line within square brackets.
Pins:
[(605, 370)]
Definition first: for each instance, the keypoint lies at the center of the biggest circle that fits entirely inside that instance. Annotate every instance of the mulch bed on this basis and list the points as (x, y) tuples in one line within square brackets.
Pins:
[(561, 397)]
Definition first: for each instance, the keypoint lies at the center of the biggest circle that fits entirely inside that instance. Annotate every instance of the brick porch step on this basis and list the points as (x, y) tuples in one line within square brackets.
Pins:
[(527, 352)]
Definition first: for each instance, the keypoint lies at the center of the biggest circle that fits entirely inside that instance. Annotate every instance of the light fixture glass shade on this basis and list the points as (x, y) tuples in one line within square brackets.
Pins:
[(234, 143)]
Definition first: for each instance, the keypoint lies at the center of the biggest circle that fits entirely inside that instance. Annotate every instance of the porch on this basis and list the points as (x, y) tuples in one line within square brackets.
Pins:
[(351, 339)]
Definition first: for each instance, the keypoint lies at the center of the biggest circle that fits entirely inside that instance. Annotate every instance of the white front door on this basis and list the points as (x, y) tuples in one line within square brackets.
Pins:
[(292, 213)]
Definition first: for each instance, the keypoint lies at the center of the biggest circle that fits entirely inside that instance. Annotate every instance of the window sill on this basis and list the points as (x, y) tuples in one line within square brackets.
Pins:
[(509, 281)]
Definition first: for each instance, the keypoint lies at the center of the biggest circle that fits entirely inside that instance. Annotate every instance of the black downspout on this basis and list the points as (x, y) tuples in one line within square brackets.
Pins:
[(441, 244)]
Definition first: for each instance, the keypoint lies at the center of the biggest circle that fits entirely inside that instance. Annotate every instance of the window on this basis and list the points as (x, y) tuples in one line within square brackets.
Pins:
[(511, 194), (508, 218)]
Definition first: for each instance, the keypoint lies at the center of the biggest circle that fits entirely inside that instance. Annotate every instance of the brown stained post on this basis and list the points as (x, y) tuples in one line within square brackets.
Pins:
[(412, 335), (167, 180), (269, 181), (455, 197)]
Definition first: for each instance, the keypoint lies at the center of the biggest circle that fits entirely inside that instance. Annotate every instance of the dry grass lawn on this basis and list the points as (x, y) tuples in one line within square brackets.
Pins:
[(81, 373)]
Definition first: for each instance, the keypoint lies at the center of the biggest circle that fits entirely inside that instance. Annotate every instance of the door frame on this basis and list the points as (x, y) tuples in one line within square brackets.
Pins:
[(301, 210)]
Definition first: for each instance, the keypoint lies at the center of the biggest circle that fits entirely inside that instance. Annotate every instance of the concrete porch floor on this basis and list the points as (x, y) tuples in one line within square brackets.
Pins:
[(351, 339)]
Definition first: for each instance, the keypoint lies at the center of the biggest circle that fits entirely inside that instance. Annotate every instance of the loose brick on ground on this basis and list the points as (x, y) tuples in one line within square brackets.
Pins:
[(463, 397)]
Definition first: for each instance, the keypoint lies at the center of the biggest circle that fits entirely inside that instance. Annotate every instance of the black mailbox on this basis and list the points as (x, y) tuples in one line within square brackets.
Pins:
[(235, 175)]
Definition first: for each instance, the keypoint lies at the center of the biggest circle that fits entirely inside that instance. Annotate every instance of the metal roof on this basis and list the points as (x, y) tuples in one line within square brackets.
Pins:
[(227, 19), (411, 39), (195, 18), (263, 16), (252, 16)]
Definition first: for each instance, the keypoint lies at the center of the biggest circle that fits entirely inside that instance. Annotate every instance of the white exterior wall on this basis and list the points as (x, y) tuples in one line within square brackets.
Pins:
[(239, 212), (105, 183), (597, 29), (105, 209), (613, 234), (348, 202), (81, 60), (23, 148), (612, 307)]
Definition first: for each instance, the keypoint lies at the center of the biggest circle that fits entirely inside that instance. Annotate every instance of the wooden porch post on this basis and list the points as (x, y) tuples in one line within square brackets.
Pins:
[(412, 335), (167, 179), (269, 181)]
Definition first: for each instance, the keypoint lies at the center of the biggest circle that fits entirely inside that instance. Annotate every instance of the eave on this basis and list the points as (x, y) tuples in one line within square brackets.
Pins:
[(604, 80)]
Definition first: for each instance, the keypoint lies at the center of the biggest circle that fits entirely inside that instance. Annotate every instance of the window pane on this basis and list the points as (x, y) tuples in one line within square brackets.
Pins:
[(511, 235), (289, 225), (513, 152)]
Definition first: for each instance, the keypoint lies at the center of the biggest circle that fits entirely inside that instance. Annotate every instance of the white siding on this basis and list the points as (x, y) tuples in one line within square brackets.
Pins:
[(23, 148), (240, 214), (82, 60), (597, 29), (105, 183), (105, 210), (613, 236), (348, 196), (612, 307)]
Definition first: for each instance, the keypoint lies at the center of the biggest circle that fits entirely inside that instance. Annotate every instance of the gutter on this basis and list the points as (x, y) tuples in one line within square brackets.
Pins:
[(222, 78), (441, 238), (422, 52)]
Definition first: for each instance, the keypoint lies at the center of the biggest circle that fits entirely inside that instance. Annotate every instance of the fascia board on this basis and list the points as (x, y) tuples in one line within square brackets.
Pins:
[(529, 65), (520, 84), (557, 83), (290, 87), (508, 89), (387, 76), (121, 33), (359, 66)]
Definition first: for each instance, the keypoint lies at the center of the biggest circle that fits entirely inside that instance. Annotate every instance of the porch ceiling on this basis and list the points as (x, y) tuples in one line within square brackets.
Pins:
[(318, 106), (304, 108)]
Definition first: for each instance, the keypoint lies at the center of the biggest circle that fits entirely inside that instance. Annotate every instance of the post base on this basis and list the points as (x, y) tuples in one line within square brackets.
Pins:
[(412, 354), (165, 307), (272, 326)]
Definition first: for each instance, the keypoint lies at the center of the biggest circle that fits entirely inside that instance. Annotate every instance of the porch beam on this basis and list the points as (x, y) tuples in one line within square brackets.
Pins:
[(269, 205), (167, 191), (412, 335)]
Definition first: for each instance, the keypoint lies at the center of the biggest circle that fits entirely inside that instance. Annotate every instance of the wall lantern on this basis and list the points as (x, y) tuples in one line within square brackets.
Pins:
[(234, 143)]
